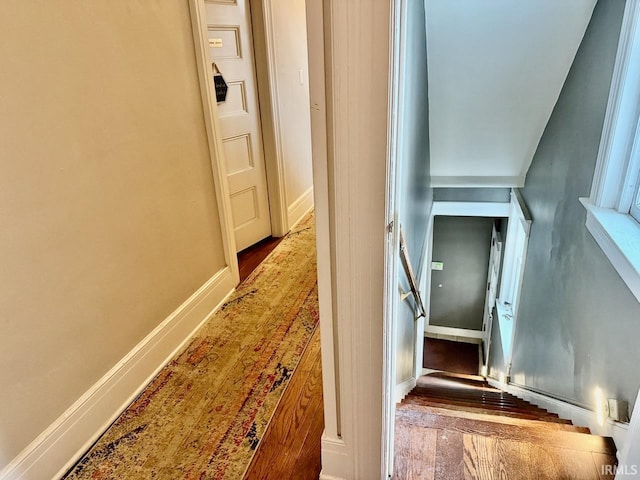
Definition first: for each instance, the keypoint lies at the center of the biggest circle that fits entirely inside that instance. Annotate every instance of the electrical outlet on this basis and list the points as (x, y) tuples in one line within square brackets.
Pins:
[(617, 410)]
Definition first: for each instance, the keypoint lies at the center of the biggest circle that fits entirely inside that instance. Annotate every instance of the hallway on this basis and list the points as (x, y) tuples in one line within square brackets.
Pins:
[(205, 413)]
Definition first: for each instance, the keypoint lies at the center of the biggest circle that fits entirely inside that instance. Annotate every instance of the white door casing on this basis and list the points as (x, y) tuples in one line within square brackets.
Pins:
[(492, 290), (231, 48)]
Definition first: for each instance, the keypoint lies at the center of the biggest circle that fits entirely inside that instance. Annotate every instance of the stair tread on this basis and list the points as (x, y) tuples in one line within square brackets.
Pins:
[(487, 403), (524, 433), (463, 376), (493, 418), (487, 396), (489, 411)]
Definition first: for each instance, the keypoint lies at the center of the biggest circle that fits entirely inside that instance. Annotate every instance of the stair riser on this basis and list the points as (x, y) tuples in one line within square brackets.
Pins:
[(487, 411), (483, 404)]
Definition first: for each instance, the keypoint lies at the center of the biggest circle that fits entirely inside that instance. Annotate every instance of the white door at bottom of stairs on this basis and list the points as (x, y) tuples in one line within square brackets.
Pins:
[(492, 290), (231, 49)]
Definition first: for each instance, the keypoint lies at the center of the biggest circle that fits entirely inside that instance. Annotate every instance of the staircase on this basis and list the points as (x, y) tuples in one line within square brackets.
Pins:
[(454, 426)]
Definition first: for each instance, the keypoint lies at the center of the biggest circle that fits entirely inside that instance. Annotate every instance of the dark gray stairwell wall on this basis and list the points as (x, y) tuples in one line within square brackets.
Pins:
[(472, 194), (458, 291), (578, 325), (416, 196)]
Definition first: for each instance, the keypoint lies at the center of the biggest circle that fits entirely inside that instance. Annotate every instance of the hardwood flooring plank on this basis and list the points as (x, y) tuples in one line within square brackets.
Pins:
[(251, 257), (571, 464), (605, 465), (290, 447), (308, 464), (269, 447), (300, 426), (481, 458), (415, 453), (488, 458), (449, 455)]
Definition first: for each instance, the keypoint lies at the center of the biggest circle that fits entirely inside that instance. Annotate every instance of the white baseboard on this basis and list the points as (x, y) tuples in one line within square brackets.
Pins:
[(453, 332), (335, 459), (62, 444), (578, 415), (402, 389), (300, 207)]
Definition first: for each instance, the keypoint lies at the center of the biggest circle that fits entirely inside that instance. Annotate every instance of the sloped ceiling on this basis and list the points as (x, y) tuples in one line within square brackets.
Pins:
[(496, 68)]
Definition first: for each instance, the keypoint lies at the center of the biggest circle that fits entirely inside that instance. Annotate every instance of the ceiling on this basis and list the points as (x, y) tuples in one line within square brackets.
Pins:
[(496, 68)]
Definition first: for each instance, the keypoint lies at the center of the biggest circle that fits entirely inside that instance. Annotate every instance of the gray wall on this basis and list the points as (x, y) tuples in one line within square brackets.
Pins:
[(416, 195), (458, 291), (578, 324), (471, 194)]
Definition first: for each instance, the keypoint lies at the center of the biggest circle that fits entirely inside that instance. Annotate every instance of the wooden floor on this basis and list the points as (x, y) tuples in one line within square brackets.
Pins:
[(290, 448), (251, 257), (458, 357), (457, 426)]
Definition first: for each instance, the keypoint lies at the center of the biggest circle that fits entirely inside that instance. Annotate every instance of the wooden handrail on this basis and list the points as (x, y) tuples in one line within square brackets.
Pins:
[(408, 270)]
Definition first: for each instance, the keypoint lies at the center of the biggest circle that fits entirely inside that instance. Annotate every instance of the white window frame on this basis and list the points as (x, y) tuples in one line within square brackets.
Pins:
[(635, 205), (615, 181)]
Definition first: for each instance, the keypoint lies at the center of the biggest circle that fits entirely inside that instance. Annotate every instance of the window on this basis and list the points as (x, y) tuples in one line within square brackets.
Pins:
[(613, 207)]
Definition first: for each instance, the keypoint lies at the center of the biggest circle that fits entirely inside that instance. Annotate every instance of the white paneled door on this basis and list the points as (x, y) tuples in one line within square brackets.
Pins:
[(231, 48), (492, 290)]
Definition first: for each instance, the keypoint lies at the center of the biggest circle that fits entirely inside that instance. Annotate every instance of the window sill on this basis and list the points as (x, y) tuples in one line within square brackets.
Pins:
[(618, 235)]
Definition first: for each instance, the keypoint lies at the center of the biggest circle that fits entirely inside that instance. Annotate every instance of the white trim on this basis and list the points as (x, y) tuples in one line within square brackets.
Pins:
[(397, 54), (328, 341), (578, 415), (618, 235), (64, 442), (269, 99), (426, 284), (621, 115), (403, 389), (616, 173), (419, 346), (440, 181), (515, 250), (199, 29), (472, 209), (629, 454), (336, 457), (298, 209), (329, 477), (357, 43), (453, 332)]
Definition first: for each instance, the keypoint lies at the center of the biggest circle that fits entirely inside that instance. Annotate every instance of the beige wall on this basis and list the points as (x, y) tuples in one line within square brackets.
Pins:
[(108, 218), (290, 28)]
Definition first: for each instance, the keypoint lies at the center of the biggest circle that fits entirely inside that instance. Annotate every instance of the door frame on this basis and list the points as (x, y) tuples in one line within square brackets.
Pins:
[(487, 320), (263, 35), (397, 52), (460, 209), (517, 213), (214, 137), (263, 28)]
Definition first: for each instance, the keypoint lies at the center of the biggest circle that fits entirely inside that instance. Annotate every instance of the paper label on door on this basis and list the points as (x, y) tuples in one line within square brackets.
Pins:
[(215, 42), (437, 265)]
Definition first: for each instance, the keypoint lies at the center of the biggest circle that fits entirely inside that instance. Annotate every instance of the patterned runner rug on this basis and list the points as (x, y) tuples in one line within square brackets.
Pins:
[(205, 412)]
